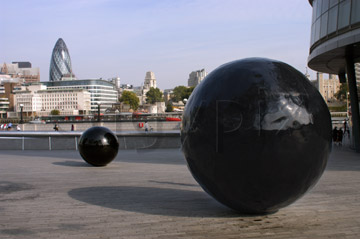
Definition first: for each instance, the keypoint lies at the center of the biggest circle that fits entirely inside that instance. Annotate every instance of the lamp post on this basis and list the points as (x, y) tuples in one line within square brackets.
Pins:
[(21, 113), (347, 104)]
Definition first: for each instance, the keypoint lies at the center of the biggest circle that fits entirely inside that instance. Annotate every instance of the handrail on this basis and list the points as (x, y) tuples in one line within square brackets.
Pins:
[(171, 133)]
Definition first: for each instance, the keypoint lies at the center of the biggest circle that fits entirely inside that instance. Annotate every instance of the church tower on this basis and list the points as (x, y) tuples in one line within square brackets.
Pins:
[(150, 80)]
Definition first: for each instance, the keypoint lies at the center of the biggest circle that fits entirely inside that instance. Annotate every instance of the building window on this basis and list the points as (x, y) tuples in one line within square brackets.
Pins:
[(317, 30), (355, 11), (332, 24), (325, 6), (344, 14), (317, 5), (324, 22), (333, 2)]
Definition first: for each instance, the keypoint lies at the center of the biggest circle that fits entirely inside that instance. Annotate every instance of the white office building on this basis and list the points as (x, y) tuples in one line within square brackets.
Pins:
[(101, 91), (37, 100)]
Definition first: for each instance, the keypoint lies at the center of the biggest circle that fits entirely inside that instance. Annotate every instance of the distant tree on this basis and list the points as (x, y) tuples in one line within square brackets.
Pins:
[(169, 108), (55, 112), (154, 95), (342, 92), (131, 99), (182, 92)]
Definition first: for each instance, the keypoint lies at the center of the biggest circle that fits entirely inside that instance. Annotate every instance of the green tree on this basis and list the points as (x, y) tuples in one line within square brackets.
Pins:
[(131, 99), (169, 108), (342, 92), (154, 95), (55, 112), (182, 92)]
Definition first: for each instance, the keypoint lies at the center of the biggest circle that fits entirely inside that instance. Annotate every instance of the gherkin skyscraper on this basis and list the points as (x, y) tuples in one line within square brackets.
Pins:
[(60, 63)]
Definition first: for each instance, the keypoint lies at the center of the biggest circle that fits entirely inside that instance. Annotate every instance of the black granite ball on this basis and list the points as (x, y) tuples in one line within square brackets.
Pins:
[(256, 135), (98, 146)]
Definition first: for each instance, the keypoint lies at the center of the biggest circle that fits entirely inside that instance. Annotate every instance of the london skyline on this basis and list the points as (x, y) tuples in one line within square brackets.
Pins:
[(109, 38)]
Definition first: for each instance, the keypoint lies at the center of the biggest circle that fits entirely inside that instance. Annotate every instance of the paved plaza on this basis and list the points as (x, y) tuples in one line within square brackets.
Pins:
[(151, 194)]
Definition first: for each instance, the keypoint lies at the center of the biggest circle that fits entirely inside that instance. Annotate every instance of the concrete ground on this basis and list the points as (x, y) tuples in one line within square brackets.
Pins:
[(151, 194)]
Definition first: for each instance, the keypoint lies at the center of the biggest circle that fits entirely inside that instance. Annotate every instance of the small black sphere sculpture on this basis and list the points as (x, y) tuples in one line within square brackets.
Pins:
[(98, 146), (256, 135)]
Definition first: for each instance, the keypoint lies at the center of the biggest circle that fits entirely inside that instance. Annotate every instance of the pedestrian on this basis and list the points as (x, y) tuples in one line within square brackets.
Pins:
[(345, 126), (146, 126), (72, 127), (56, 127), (340, 136), (18, 128), (346, 129), (335, 135)]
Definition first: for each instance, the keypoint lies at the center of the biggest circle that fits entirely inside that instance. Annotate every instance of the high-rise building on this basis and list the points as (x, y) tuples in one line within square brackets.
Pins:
[(60, 63), (196, 77)]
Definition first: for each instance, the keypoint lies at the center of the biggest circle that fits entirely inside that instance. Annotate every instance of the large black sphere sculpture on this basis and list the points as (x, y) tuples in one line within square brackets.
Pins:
[(98, 146), (256, 135)]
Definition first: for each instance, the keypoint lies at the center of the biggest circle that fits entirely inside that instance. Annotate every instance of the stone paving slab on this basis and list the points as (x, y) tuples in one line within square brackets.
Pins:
[(151, 194)]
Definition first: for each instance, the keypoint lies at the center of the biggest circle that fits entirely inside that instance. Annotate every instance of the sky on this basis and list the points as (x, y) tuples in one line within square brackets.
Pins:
[(172, 38)]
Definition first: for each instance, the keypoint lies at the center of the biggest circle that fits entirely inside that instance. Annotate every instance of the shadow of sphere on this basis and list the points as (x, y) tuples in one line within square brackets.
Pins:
[(98, 146), (256, 135)]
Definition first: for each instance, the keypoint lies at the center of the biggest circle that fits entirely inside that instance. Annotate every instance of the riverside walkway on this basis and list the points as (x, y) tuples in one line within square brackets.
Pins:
[(151, 194)]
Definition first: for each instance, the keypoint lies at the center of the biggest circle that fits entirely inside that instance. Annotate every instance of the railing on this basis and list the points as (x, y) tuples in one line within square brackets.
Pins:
[(339, 114), (22, 140)]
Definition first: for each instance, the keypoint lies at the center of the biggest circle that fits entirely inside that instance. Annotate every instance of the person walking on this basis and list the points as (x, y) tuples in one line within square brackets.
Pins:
[(56, 127), (72, 127), (335, 135), (146, 126), (340, 137)]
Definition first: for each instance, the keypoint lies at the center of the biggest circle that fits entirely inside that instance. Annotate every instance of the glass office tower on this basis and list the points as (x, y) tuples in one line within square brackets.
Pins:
[(60, 64)]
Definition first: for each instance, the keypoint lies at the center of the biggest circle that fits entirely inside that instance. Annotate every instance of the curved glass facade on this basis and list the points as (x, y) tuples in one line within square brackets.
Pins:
[(60, 64), (332, 17), (335, 48)]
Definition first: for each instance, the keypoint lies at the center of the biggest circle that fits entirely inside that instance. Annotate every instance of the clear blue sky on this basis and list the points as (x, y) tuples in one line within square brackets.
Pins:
[(126, 38)]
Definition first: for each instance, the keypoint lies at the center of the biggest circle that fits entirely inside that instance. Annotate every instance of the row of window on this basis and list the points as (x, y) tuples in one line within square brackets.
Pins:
[(60, 103), (330, 16), (61, 99), (75, 107), (101, 87), (58, 95)]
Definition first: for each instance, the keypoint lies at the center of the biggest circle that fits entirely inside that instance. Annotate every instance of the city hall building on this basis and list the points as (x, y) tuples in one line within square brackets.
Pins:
[(335, 47)]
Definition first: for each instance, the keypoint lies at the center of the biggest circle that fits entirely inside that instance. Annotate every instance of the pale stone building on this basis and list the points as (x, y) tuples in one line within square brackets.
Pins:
[(196, 77), (149, 82), (328, 87), (157, 108)]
